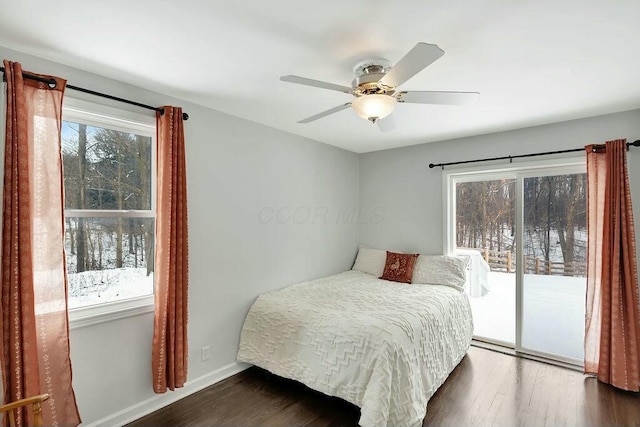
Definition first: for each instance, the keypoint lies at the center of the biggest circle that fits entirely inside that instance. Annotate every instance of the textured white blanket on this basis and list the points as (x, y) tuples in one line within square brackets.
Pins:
[(383, 346)]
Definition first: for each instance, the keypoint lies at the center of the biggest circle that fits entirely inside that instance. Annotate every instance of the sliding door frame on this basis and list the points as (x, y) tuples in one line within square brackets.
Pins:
[(518, 172)]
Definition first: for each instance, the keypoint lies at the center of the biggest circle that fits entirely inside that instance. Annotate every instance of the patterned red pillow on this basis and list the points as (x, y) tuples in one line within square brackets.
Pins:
[(399, 267)]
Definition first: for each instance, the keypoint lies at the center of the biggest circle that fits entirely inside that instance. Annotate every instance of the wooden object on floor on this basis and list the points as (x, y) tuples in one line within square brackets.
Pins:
[(486, 389), (36, 409)]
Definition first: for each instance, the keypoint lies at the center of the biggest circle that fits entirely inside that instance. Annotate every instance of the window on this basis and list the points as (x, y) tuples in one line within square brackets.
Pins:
[(525, 227), (109, 182)]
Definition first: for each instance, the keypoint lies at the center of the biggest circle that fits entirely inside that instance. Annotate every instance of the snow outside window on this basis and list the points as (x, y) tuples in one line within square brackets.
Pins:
[(109, 182)]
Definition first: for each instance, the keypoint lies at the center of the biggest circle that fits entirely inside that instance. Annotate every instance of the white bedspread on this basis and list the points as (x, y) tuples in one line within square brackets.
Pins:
[(383, 346)]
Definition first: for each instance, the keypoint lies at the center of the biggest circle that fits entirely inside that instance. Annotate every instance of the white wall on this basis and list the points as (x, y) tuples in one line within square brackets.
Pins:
[(408, 195), (239, 174)]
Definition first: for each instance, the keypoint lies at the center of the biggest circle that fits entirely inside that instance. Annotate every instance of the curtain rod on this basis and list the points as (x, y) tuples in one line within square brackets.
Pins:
[(510, 158), (52, 84)]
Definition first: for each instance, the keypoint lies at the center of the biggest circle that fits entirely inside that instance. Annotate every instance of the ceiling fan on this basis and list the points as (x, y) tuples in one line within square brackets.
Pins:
[(376, 83)]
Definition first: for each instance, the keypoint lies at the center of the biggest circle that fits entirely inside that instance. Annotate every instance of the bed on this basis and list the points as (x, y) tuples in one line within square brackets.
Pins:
[(383, 346)]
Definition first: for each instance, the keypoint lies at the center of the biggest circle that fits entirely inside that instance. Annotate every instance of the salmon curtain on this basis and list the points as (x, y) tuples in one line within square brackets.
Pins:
[(612, 336), (35, 332), (169, 353)]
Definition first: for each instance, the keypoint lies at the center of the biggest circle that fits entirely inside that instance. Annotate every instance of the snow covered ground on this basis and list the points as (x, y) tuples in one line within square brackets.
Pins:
[(95, 287), (553, 313)]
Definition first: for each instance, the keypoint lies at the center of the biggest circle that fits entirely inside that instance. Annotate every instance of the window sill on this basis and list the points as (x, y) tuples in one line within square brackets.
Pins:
[(107, 312)]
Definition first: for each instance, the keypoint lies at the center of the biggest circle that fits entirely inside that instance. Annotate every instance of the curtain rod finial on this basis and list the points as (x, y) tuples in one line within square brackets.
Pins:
[(185, 116), (431, 165)]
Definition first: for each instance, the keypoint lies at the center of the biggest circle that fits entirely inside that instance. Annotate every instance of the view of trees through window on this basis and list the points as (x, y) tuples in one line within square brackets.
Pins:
[(109, 233), (554, 221)]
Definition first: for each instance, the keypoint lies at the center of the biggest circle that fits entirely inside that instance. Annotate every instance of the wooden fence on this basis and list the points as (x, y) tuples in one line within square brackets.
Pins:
[(506, 261)]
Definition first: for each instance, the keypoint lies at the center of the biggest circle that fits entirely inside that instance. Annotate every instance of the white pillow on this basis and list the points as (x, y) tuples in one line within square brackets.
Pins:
[(370, 261), (441, 270)]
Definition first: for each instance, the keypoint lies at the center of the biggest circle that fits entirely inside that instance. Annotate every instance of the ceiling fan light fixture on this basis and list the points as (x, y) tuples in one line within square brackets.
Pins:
[(374, 107)]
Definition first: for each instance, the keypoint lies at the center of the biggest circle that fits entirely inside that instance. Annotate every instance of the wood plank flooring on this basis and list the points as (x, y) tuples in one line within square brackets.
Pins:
[(486, 389)]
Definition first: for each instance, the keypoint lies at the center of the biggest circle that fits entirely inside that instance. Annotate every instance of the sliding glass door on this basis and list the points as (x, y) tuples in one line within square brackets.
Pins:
[(485, 219), (525, 231), (554, 265)]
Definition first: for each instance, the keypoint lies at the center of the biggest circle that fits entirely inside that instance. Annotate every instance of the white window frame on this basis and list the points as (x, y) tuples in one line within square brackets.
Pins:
[(518, 172), (93, 114)]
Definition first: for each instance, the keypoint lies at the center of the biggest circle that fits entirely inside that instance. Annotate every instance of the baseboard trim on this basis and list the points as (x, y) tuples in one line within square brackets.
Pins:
[(159, 401)]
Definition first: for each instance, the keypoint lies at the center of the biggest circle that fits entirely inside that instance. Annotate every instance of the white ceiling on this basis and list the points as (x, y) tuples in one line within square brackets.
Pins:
[(533, 62)]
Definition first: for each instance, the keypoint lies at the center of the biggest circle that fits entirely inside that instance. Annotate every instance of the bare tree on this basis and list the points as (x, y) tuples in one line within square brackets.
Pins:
[(81, 202), (554, 211)]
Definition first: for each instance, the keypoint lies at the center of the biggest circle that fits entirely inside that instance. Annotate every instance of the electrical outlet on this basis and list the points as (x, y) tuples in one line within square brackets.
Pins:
[(204, 353)]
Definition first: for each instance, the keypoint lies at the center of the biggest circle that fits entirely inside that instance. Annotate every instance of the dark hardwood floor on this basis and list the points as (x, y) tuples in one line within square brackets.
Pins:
[(486, 389)]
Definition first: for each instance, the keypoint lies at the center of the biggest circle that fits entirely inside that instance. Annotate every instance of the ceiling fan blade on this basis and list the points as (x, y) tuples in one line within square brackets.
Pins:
[(326, 113), (416, 60), (316, 83), (387, 124), (433, 97)]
